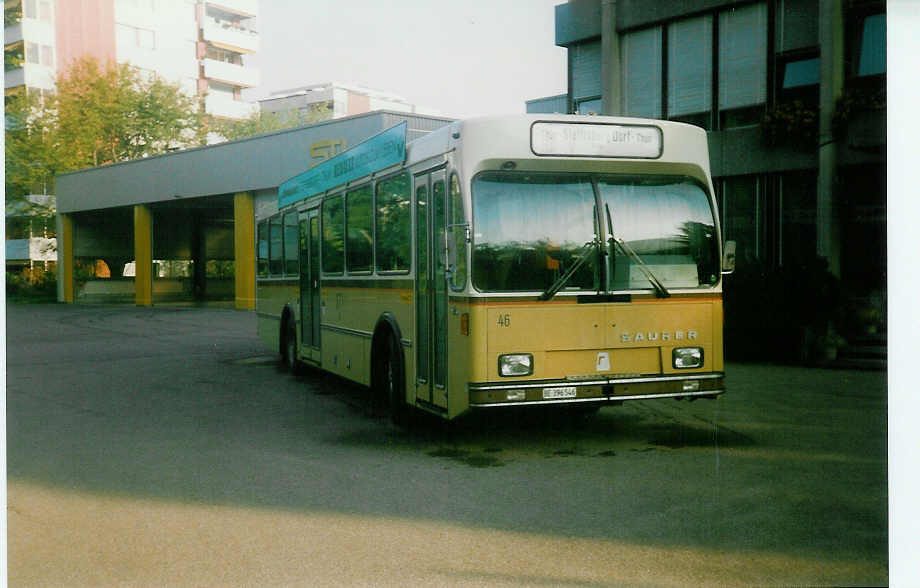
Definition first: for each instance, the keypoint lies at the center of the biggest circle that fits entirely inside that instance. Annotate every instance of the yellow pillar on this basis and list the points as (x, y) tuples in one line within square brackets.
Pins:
[(244, 250), (143, 256), (65, 257)]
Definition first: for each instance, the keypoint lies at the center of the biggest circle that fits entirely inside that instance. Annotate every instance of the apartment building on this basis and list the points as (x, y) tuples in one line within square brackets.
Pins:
[(337, 99), (202, 45)]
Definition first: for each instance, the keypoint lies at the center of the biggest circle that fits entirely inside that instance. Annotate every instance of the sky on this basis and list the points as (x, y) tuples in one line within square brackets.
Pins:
[(459, 58)]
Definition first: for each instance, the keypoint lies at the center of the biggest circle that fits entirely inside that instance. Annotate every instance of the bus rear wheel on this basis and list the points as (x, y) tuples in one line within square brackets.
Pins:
[(289, 348), (393, 384)]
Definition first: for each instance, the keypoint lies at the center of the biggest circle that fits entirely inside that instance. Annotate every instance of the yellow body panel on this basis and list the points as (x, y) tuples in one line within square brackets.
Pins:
[(273, 296), (348, 318), (566, 338)]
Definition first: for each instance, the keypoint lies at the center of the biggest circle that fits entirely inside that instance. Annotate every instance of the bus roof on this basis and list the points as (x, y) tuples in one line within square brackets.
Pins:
[(566, 137)]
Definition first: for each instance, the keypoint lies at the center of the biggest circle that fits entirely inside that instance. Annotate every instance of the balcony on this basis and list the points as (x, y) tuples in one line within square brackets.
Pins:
[(29, 29), (30, 75), (232, 74), (222, 106), (245, 8), (224, 35), (12, 34)]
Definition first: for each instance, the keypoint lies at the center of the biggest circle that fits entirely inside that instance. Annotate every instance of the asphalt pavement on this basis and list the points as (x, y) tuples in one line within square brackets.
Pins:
[(167, 446)]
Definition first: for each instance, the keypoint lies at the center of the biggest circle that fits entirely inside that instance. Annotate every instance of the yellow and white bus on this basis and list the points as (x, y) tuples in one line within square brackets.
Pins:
[(518, 260)]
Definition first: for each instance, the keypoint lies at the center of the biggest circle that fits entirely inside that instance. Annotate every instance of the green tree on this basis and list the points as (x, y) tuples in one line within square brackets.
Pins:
[(269, 122), (31, 160), (99, 114), (109, 113)]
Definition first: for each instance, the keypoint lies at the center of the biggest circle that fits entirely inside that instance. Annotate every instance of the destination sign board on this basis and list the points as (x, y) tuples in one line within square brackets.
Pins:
[(596, 140), (379, 152)]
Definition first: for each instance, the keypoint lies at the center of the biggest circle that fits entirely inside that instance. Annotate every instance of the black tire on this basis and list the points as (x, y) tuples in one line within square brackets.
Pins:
[(289, 347), (393, 384)]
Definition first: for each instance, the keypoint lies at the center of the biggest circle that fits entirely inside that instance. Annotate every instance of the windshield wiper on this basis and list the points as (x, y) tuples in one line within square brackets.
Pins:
[(660, 290), (562, 280)]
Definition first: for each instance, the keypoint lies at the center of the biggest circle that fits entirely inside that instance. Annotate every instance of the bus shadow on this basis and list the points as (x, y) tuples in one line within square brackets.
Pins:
[(496, 437)]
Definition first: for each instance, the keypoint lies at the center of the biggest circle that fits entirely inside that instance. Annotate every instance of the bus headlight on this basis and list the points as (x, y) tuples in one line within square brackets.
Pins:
[(687, 357), (515, 364)]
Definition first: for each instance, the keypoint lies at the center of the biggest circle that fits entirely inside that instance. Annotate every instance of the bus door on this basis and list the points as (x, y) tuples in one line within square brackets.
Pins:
[(309, 282), (431, 288)]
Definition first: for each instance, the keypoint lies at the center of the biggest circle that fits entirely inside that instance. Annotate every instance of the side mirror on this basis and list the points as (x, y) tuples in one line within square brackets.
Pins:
[(728, 258)]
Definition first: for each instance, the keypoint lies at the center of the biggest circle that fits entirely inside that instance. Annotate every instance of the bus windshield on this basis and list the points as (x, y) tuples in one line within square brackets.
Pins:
[(530, 229)]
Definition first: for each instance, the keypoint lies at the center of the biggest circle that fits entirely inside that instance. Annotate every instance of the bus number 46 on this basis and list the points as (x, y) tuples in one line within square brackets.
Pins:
[(504, 320)]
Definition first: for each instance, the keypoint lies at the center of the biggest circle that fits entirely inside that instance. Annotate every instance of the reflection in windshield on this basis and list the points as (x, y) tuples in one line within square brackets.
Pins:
[(532, 228), (668, 223)]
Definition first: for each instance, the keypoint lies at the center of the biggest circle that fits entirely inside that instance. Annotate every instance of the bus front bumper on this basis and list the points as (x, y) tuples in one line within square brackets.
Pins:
[(600, 391)]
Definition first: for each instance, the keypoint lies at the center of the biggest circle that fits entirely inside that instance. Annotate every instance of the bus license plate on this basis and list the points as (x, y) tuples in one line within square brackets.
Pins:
[(556, 393)]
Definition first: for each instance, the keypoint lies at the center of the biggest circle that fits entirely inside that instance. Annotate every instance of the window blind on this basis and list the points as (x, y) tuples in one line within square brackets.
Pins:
[(640, 54), (743, 56), (690, 66)]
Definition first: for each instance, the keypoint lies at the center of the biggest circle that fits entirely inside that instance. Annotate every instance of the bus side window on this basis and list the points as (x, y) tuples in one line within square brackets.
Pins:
[(275, 249), (359, 253), (458, 228), (394, 224), (291, 244), (333, 235), (262, 249)]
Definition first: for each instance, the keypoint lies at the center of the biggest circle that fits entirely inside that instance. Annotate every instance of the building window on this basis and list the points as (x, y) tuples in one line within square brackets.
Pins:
[(742, 65), (796, 25), (690, 70), (47, 55), (798, 233), (801, 72), (129, 36), (641, 73), (32, 52), (872, 53), (744, 217), (223, 55), (589, 106), (586, 74), (44, 11), (798, 76)]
